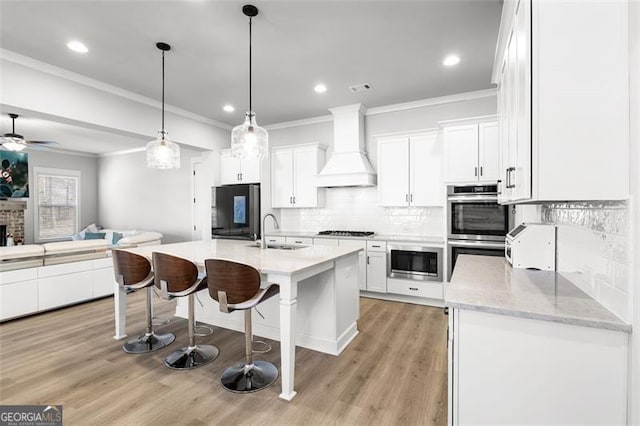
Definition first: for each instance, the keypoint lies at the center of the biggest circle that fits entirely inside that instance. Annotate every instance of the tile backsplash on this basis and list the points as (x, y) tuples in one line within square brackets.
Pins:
[(357, 209), (593, 249)]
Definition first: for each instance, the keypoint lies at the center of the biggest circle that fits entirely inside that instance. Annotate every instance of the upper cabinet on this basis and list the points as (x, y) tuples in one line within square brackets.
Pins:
[(293, 172), (563, 107), (471, 152), (409, 170), (234, 170)]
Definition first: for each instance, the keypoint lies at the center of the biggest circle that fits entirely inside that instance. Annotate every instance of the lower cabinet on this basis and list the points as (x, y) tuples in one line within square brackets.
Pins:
[(18, 293), (511, 370), (376, 271), (431, 290), (26, 291)]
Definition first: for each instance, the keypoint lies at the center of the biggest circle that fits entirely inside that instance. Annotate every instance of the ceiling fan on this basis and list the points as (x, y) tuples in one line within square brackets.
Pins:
[(15, 142)]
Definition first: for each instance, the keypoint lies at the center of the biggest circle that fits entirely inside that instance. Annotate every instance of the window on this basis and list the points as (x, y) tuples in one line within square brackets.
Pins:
[(57, 203)]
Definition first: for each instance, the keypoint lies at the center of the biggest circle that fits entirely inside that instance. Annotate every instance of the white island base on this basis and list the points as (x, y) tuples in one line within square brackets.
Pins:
[(327, 310)]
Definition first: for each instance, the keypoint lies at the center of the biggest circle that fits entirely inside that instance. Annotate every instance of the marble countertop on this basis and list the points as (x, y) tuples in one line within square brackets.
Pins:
[(375, 237), (276, 261), (490, 284)]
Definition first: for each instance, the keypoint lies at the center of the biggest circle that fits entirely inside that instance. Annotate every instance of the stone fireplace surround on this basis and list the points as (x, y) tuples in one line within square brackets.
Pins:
[(12, 216)]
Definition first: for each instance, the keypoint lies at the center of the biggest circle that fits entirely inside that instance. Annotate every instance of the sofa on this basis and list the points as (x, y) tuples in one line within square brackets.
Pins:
[(39, 277)]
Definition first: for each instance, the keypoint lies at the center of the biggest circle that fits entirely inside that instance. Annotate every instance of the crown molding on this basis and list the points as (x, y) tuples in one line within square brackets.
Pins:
[(105, 87), (122, 152), (459, 97), (302, 122)]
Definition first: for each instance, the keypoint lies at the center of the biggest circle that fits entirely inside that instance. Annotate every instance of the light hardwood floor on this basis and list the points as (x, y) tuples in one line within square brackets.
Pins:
[(394, 372)]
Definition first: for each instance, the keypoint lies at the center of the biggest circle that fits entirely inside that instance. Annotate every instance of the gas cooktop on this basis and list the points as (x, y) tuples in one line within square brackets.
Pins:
[(346, 233)]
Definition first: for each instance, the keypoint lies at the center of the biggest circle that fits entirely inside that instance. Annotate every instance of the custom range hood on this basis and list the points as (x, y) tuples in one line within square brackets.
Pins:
[(348, 165)]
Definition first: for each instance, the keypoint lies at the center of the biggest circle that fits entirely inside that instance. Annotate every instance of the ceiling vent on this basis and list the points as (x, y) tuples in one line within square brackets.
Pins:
[(356, 88)]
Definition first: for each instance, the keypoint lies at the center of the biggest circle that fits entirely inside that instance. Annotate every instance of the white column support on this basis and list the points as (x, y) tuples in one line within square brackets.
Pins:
[(288, 314), (120, 307)]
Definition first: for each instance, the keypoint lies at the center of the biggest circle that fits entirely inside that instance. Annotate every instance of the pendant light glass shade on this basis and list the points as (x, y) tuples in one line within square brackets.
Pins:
[(161, 152), (248, 140)]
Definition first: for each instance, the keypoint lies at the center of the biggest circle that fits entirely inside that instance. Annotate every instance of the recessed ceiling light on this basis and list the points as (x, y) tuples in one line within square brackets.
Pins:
[(451, 60), (77, 46), (228, 108), (320, 88)]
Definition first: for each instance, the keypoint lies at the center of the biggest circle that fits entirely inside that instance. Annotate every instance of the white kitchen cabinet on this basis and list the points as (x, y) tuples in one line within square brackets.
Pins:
[(409, 170), (563, 117), (299, 241), (293, 172), (235, 171), (471, 152), (510, 370), (377, 266), (326, 242)]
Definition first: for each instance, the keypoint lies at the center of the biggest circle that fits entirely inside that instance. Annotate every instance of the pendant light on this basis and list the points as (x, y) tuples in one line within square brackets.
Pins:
[(248, 140), (162, 153)]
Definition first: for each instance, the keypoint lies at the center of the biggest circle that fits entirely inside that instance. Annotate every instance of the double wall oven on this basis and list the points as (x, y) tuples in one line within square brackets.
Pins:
[(476, 223)]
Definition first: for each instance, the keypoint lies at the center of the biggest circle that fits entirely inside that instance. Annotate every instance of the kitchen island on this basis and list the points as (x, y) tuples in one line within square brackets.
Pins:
[(530, 347), (318, 305)]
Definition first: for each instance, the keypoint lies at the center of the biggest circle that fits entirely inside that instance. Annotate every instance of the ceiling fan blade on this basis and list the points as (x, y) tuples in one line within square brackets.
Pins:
[(42, 142)]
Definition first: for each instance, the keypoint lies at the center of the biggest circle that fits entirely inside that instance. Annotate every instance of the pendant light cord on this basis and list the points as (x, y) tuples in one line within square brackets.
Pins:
[(162, 133), (250, 106)]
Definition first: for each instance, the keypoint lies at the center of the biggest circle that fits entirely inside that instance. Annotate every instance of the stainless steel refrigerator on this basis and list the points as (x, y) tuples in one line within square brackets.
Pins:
[(237, 212)]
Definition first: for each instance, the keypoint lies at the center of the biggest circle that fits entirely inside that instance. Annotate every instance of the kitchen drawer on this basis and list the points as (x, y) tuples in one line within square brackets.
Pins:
[(415, 288), (299, 241), (275, 240), (325, 241), (376, 246), (354, 243)]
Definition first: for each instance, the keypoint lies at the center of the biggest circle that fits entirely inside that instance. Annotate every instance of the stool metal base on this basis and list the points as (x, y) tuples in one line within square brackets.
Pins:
[(148, 343), (244, 378), (191, 357)]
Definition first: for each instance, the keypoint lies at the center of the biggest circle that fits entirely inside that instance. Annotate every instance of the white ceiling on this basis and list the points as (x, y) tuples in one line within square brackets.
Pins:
[(396, 46)]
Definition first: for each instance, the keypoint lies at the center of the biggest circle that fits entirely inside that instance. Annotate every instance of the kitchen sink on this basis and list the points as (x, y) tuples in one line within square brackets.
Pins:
[(280, 246)]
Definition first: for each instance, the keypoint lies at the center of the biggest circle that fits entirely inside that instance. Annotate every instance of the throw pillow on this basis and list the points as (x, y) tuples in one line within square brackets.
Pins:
[(94, 235), (117, 236)]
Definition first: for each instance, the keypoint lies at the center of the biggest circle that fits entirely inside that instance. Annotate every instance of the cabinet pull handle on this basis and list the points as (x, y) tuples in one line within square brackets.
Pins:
[(510, 184), (475, 171), (240, 176), (411, 198), (294, 200), (375, 246), (406, 198), (499, 186), (413, 288), (298, 242), (367, 260), (480, 170)]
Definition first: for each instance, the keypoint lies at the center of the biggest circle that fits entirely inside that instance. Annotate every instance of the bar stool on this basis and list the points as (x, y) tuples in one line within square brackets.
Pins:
[(178, 277), (237, 287), (133, 272)]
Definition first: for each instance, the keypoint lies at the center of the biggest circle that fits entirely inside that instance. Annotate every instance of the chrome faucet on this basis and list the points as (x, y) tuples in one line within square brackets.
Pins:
[(263, 242)]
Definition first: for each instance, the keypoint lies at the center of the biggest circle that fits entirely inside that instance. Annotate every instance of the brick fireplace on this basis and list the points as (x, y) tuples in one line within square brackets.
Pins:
[(12, 216)]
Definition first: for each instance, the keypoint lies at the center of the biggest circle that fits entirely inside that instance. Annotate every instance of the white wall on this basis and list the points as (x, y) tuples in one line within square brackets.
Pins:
[(357, 208), (132, 196), (88, 167)]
